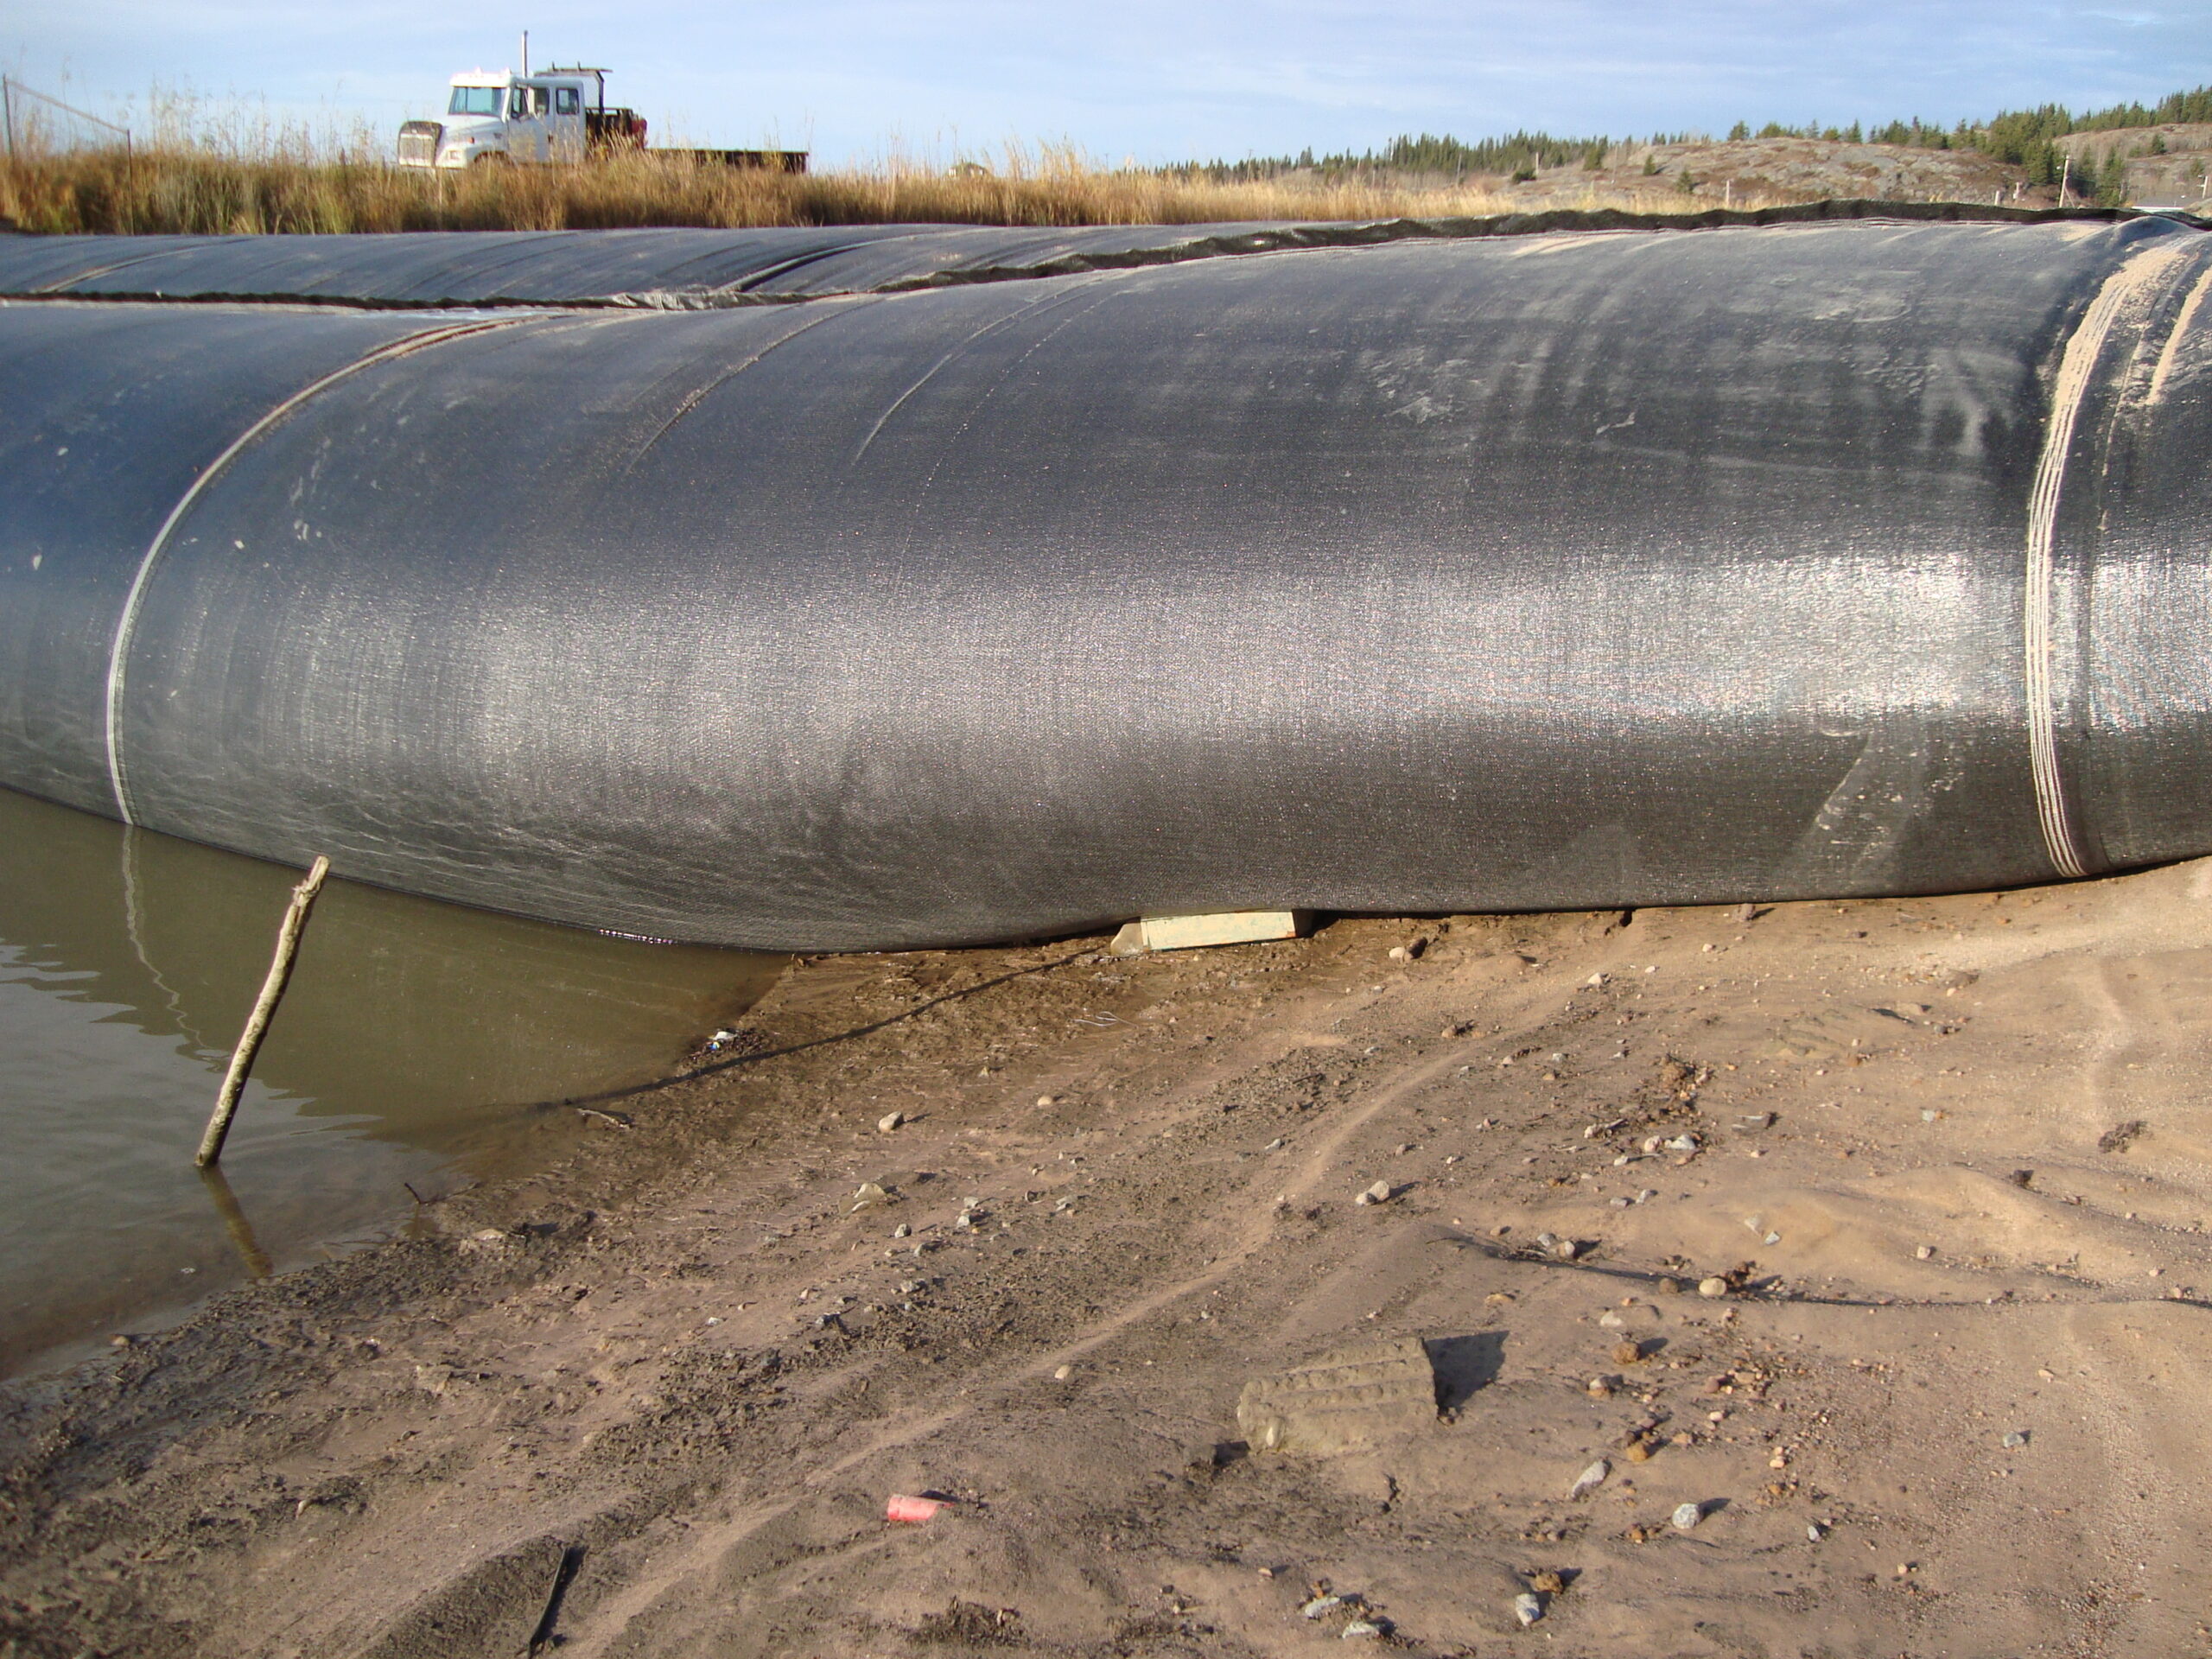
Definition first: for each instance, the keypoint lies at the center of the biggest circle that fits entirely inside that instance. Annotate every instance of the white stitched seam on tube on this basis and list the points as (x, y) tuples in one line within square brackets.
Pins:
[(127, 618), (2074, 375)]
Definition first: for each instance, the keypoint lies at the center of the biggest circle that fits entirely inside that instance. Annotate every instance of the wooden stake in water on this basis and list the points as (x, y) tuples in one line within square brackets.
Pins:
[(256, 1024)]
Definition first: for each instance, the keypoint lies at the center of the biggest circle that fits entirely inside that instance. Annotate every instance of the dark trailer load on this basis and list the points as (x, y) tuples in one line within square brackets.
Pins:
[(772, 161)]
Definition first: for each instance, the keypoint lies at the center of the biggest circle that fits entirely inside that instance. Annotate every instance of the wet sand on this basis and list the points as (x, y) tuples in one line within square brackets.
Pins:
[(1948, 1157)]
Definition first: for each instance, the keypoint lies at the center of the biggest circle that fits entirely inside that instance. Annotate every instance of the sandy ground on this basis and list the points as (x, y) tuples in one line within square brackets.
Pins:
[(1951, 1160)]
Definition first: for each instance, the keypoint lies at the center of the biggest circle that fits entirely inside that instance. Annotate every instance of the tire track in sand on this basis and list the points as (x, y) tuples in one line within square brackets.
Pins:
[(1250, 1229)]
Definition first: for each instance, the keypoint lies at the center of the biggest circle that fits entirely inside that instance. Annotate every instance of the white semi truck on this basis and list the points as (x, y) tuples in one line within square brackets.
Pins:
[(556, 116)]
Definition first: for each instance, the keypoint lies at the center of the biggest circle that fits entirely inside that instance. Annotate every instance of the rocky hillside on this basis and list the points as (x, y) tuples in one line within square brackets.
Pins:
[(2168, 165), (2162, 167), (1759, 172)]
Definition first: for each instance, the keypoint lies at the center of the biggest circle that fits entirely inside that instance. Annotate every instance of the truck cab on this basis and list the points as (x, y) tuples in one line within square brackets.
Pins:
[(545, 119), (496, 116)]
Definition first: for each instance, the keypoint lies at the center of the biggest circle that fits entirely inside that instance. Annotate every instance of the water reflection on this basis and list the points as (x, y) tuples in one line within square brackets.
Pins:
[(410, 1034), (252, 1257)]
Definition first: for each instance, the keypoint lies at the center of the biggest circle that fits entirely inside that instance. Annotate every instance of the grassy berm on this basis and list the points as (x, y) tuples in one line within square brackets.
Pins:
[(1823, 1280), (204, 192), (211, 190)]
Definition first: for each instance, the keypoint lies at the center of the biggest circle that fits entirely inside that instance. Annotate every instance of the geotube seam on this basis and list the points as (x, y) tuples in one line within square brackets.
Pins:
[(2075, 371), (126, 620), (61, 284), (698, 395), (1059, 297)]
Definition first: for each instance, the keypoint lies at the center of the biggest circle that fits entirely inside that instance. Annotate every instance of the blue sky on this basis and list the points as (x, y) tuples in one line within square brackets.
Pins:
[(1147, 78)]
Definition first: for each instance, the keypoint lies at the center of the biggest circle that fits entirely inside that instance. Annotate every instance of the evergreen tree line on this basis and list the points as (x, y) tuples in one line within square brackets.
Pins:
[(2025, 138), (1521, 154)]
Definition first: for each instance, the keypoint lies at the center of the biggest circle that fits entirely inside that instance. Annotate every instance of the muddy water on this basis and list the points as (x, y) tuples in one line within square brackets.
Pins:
[(410, 1048)]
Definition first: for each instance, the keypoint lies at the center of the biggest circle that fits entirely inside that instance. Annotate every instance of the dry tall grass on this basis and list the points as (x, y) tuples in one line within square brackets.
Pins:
[(207, 189)]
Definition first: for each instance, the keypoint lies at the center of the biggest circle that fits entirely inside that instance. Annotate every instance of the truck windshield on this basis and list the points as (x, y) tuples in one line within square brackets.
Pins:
[(474, 100)]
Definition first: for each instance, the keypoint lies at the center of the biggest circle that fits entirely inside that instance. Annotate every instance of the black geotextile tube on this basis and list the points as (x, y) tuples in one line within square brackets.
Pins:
[(673, 268), (1437, 574), (698, 269)]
